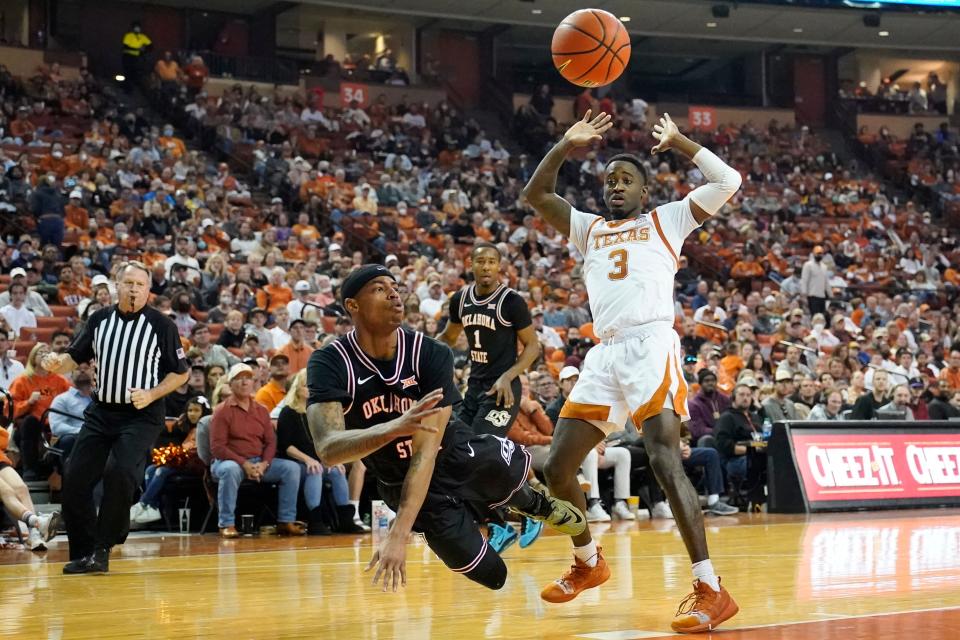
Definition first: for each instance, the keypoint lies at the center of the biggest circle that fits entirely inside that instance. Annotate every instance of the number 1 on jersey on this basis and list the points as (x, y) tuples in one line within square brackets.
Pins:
[(619, 258), (476, 339)]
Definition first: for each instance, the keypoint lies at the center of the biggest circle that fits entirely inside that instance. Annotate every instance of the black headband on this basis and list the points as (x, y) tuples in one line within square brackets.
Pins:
[(357, 279)]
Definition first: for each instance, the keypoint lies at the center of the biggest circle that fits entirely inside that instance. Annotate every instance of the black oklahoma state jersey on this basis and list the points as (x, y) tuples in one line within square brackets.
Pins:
[(376, 391), (491, 325)]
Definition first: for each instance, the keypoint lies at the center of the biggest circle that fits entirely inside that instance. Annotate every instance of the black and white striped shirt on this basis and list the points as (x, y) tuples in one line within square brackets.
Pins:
[(132, 350)]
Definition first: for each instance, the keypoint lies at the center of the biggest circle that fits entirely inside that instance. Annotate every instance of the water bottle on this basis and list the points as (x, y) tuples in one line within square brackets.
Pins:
[(767, 428)]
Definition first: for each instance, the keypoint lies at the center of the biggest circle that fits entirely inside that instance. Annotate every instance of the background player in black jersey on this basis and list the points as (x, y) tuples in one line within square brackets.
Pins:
[(494, 317), (386, 395)]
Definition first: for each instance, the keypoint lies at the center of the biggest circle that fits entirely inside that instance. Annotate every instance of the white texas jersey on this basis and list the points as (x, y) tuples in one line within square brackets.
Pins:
[(629, 265)]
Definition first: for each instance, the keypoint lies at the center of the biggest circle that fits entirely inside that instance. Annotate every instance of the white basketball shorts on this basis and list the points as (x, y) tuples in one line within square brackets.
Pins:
[(636, 373)]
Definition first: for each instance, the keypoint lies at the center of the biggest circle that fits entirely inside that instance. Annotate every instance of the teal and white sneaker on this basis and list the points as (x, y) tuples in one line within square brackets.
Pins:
[(501, 538), (530, 530)]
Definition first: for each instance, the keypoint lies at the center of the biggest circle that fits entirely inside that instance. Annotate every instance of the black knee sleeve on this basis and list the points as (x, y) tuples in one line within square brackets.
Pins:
[(491, 572)]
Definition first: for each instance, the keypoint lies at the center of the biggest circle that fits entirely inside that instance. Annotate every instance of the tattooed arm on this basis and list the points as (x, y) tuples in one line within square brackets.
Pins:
[(391, 558), (336, 445)]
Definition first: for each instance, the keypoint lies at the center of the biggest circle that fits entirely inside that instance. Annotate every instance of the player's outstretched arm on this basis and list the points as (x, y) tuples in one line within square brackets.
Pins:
[(722, 179), (391, 558), (336, 445), (541, 191)]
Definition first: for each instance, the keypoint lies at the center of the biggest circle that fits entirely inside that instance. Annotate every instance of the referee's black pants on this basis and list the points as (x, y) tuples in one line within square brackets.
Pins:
[(113, 445)]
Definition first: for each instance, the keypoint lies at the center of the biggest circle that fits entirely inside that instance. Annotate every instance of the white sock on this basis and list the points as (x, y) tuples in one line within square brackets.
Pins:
[(30, 519), (703, 571), (712, 499), (587, 553), (356, 508)]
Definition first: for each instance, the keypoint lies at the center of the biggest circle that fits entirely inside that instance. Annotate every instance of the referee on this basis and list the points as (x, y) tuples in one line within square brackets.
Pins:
[(139, 361)]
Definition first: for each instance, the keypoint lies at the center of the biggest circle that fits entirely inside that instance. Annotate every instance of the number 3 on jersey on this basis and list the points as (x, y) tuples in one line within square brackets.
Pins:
[(619, 259)]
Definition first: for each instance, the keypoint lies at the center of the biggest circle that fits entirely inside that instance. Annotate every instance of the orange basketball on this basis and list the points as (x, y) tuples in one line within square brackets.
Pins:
[(591, 47)]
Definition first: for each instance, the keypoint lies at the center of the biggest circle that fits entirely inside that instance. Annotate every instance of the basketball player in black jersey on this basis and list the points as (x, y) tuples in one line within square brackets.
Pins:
[(386, 395), (494, 317)]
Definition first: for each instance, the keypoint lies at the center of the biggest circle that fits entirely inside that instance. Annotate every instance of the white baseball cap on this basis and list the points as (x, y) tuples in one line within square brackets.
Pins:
[(302, 285), (569, 372), (19, 271), (334, 247), (238, 370), (99, 279), (76, 193), (389, 258)]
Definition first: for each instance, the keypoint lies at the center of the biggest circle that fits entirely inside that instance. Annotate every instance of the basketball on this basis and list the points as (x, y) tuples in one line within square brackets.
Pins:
[(591, 48)]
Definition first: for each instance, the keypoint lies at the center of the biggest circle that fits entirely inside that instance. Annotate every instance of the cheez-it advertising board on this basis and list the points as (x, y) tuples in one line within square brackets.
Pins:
[(878, 466)]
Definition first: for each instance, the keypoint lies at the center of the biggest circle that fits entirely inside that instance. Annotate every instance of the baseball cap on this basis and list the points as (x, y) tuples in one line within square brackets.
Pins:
[(239, 369), (19, 271), (537, 311), (748, 380), (76, 193), (99, 279), (302, 285), (916, 383), (389, 258), (690, 359), (334, 247), (569, 372), (279, 356), (783, 376), (357, 279), (276, 200)]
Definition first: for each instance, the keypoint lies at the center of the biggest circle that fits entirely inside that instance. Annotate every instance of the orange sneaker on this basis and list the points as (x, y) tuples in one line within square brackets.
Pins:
[(704, 609), (579, 577)]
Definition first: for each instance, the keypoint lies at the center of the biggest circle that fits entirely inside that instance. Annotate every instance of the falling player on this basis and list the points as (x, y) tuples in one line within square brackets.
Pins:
[(629, 267), (494, 317), (386, 394)]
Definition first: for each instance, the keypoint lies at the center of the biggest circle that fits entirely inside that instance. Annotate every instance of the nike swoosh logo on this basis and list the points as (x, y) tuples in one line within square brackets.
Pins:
[(471, 454), (362, 380)]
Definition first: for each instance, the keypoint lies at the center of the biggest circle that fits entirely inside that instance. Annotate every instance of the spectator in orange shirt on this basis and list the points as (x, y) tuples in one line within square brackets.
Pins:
[(297, 350), (70, 293), (272, 393), (746, 269), (294, 250), (303, 226), (951, 373), (276, 294), (75, 214), (170, 143), (33, 391), (21, 128)]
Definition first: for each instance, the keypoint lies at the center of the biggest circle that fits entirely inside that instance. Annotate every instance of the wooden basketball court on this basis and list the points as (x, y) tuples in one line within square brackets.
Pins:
[(879, 575)]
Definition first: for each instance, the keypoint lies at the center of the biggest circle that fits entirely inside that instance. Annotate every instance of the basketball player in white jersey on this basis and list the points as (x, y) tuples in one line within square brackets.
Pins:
[(630, 261)]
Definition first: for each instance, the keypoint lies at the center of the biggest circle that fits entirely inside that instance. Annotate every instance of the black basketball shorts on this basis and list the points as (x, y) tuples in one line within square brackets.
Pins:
[(484, 470), (482, 412)]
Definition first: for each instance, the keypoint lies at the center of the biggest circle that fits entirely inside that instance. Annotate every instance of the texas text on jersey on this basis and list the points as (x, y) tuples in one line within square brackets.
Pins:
[(491, 325), (376, 391)]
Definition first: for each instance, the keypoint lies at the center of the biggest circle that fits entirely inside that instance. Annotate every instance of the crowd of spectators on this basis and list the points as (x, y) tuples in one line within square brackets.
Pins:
[(814, 293)]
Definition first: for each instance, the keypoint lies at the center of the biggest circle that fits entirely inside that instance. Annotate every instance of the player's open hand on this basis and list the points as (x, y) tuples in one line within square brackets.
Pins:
[(391, 562), (665, 133), (502, 387), (589, 129), (411, 421)]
